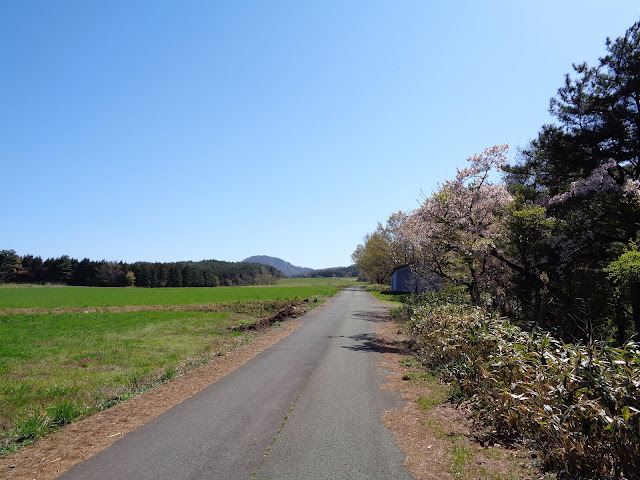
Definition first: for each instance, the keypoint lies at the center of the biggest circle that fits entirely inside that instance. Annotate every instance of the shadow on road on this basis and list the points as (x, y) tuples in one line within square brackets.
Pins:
[(373, 316), (369, 342)]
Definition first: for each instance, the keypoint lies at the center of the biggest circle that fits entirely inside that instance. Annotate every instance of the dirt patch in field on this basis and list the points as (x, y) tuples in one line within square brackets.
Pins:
[(292, 310), (51, 456), (438, 437)]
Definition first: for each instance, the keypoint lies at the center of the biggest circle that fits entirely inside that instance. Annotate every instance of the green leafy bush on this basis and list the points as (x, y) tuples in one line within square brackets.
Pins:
[(578, 405)]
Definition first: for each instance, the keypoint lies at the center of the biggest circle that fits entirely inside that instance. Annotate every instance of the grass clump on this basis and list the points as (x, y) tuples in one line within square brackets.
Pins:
[(30, 428), (462, 457), (577, 405), (169, 374), (63, 413), (431, 401), (33, 425)]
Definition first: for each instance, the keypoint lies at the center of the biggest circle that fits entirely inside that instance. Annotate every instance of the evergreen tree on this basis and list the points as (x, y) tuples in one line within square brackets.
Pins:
[(583, 172), (174, 277), (10, 263)]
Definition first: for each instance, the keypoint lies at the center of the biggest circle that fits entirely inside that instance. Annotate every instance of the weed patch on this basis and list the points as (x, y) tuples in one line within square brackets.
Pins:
[(63, 413), (462, 456), (29, 428)]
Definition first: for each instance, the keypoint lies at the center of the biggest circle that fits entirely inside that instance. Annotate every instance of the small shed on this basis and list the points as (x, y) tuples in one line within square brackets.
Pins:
[(402, 280)]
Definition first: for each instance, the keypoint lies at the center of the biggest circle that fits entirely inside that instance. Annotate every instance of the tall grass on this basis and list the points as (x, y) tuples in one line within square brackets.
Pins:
[(578, 405)]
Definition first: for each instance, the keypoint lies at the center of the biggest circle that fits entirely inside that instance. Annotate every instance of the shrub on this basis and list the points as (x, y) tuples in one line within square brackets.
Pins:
[(578, 405)]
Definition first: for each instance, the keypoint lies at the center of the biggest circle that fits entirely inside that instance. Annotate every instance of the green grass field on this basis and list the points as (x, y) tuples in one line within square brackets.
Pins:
[(58, 365), (389, 299), (80, 297), (92, 359), (384, 295)]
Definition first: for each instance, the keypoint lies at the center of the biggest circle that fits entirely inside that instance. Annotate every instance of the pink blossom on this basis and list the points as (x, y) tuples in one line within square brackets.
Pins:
[(600, 181), (457, 227)]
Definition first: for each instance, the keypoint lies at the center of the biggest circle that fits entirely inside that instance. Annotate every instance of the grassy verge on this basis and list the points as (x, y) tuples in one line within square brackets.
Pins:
[(384, 295), (462, 457)]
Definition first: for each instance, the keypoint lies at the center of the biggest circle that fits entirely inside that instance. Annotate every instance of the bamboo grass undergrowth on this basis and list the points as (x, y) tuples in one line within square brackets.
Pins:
[(577, 405)]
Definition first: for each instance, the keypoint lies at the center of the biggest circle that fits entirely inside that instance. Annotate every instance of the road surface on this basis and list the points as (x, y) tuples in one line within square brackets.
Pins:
[(308, 407)]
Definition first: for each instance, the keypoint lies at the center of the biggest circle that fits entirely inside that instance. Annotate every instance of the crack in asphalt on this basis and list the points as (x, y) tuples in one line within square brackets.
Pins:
[(275, 437)]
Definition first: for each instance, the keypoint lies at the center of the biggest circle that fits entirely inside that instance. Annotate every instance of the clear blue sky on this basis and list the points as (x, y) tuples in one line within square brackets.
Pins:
[(163, 130)]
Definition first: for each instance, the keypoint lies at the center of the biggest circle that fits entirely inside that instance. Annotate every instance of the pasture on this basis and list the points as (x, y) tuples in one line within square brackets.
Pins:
[(85, 297), (72, 351)]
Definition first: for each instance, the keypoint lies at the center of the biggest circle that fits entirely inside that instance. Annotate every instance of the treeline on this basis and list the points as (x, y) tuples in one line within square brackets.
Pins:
[(554, 245), (351, 271), (69, 271)]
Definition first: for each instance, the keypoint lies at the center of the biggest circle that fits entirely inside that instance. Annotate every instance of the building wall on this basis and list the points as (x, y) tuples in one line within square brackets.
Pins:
[(401, 280)]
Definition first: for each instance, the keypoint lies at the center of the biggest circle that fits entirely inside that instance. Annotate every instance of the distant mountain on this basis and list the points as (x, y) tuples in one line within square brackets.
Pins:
[(285, 267)]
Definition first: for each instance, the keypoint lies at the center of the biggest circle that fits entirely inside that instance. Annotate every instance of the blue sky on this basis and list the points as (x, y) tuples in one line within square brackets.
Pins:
[(164, 131)]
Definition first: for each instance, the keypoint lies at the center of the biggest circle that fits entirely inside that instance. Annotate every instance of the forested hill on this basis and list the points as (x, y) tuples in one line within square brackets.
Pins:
[(285, 267), (290, 270)]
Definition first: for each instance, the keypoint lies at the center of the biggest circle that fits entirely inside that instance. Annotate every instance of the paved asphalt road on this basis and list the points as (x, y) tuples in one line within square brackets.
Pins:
[(326, 370)]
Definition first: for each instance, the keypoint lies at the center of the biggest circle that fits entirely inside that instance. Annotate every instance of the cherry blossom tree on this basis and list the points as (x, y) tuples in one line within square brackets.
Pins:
[(457, 230)]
